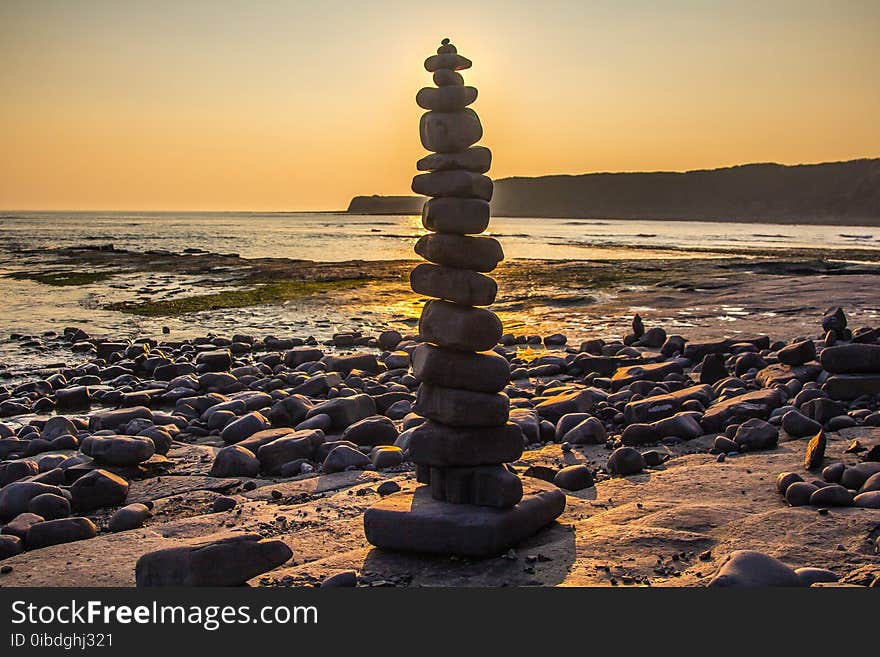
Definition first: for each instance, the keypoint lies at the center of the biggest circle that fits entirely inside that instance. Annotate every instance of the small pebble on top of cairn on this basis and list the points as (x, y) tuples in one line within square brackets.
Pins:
[(472, 504)]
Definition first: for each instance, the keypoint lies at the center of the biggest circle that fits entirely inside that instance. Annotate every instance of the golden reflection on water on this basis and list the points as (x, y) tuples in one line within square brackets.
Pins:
[(409, 308), (414, 221)]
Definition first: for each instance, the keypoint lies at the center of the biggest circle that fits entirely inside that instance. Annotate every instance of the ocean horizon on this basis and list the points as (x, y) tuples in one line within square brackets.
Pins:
[(340, 236)]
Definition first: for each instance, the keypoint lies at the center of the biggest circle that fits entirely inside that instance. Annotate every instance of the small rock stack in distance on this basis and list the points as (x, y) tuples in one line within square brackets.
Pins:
[(473, 504), (461, 449)]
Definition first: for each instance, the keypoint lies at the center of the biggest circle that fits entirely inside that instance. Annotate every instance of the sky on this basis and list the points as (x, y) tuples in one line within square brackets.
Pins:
[(287, 105)]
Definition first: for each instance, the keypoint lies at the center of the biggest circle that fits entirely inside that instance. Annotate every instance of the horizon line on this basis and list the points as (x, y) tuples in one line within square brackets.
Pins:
[(345, 211)]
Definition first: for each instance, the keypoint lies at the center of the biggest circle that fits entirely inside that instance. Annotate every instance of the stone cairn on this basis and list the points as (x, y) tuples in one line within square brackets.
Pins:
[(472, 504)]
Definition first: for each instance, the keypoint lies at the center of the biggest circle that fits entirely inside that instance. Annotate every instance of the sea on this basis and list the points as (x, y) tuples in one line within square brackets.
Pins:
[(334, 237)]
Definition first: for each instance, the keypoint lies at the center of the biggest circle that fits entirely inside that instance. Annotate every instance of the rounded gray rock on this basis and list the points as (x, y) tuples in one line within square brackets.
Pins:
[(448, 61), (626, 461), (786, 479), (810, 576), (10, 546), (459, 327), (484, 371), (386, 456), (833, 472), (16, 497), (129, 517), (461, 286), (223, 503), (797, 424), (749, 568), (244, 427), (868, 500), (588, 432), (98, 489), (387, 488), (235, 461), (346, 578), (450, 132), (574, 478), (446, 99), (462, 408), (480, 254), (371, 431), (871, 484), (342, 458), (831, 495), (50, 506), (118, 450), (799, 493), (55, 532), (229, 562)]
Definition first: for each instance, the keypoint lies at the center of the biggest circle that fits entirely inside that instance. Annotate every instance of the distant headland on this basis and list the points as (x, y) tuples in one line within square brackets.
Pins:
[(845, 193)]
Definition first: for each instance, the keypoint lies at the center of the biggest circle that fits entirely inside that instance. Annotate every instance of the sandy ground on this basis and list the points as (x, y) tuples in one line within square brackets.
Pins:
[(669, 526)]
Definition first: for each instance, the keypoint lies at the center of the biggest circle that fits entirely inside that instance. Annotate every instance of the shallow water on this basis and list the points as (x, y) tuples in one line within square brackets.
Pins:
[(30, 307), (334, 237)]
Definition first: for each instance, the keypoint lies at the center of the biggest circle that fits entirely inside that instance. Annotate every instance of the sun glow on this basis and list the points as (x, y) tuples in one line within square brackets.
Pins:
[(299, 106)]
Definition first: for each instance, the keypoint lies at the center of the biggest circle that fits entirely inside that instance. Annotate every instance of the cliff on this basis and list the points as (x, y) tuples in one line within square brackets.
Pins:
[(828, 193), (386, 205)]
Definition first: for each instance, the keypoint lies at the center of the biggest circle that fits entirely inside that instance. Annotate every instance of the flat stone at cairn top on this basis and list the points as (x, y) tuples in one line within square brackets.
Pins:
[(450, 61), (415, 521)]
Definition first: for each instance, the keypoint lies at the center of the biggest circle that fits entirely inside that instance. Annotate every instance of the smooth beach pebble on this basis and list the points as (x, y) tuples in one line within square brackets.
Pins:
[(223, 503), (831, 495), (10, 545), (833, 473), (228, 562), (786, 479), (129, 517), (626, 461), (810, 576), (387, 488), (347, 578), (65, 530), (574, 478), (869, 500), (749, 568), (799, 493), (50, 506)]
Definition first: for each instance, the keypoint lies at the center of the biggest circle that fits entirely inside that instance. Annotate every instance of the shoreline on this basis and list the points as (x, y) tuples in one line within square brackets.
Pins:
[(867, 222), (800, 220), (187, 295), (149, 287)]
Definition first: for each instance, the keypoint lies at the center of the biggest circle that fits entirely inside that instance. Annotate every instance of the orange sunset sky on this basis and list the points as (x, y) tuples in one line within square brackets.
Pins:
[(271, 105)]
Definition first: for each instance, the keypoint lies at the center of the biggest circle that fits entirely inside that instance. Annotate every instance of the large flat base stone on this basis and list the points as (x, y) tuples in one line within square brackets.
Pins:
[(419, 523)]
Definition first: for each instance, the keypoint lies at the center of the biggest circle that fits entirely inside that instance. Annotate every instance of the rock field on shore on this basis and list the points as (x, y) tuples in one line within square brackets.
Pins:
[(154, 458)]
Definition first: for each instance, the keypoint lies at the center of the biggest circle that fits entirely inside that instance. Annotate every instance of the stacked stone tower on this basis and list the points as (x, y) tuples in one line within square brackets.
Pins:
[(472, 503)]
